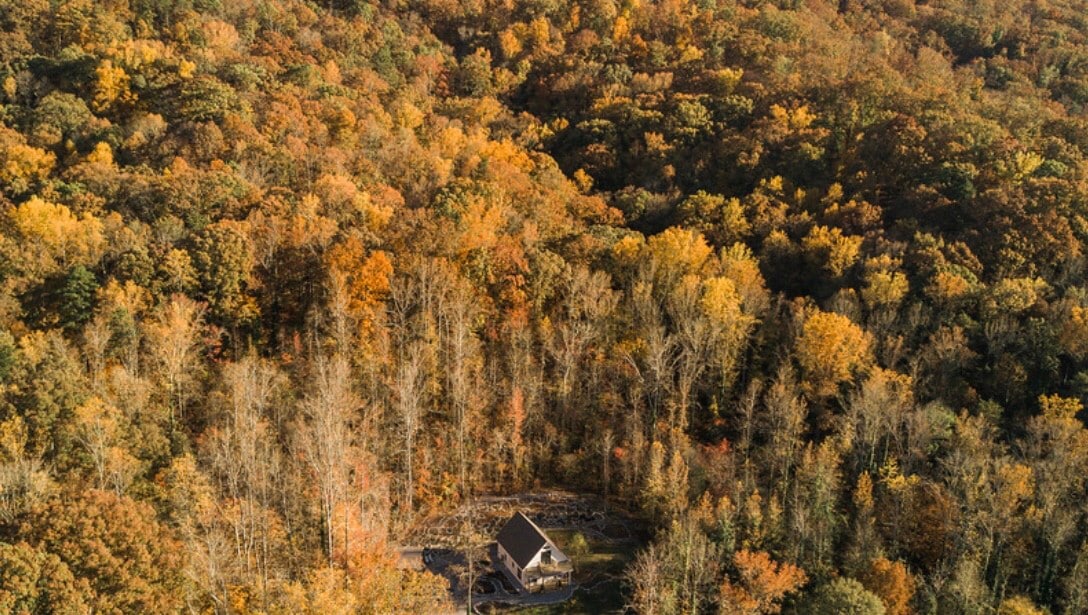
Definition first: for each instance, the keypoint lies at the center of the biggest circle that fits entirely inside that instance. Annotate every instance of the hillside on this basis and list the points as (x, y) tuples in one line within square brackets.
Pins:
[(800, 284)]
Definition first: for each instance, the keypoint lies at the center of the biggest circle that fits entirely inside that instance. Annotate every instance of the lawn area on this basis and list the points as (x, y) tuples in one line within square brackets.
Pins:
[(598, 573)]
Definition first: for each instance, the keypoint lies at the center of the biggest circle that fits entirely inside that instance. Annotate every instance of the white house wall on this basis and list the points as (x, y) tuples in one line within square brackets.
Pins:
[(504, 557), (512, 566), (533, 563)]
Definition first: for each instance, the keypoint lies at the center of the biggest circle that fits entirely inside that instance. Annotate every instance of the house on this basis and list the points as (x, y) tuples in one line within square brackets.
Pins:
[(530, 557)]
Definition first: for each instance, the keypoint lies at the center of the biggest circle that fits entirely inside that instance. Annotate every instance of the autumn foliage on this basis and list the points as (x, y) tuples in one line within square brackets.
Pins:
[(797, 288)]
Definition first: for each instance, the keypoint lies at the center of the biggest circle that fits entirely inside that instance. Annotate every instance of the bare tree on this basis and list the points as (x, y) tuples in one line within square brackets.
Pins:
[(747, 410), (696, 337), (526, 397), (96, 343), (459, 313), (408, 390), (173, 336), (653, 364), (243, 456), (342, 323), (328, 442), (589, 301), (784, 423), (652, 591)]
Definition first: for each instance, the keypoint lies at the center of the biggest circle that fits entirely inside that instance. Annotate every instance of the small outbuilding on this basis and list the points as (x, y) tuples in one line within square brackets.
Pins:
[(531, 557)]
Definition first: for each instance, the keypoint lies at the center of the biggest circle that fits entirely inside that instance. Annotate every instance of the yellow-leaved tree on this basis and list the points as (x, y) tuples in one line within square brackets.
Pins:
[(54, 238), (21, 165), (676, 252), (830, 350)]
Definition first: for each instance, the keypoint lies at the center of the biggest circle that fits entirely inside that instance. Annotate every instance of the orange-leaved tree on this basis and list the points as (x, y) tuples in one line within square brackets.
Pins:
[(759, 584)]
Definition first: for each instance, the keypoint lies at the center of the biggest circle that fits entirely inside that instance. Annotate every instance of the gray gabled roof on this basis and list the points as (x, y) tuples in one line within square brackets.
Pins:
[(521, 538)]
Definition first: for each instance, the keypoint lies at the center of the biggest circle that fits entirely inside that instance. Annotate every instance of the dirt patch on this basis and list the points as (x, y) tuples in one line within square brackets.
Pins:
[(550, 510), (611, 538)]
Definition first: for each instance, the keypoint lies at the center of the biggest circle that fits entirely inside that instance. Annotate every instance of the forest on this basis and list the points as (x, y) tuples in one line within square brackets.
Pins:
[(799, 284)]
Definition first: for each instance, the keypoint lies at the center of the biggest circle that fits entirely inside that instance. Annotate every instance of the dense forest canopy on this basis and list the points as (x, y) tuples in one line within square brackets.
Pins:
[(800, 283)]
